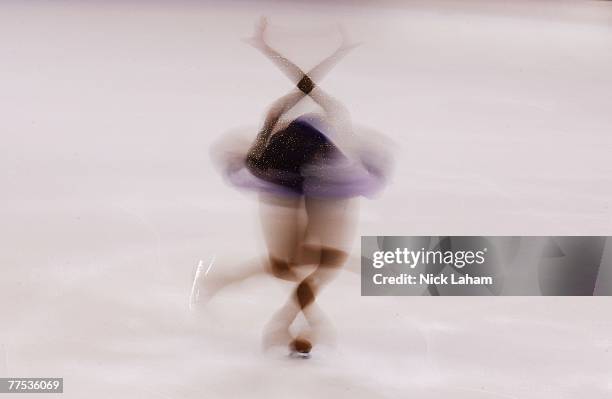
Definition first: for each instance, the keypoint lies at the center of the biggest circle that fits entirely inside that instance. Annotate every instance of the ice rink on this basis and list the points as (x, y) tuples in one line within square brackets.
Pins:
[(501, 120)]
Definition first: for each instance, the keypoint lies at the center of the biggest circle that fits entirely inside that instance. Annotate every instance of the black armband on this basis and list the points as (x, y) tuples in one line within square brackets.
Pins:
[(306, 85)]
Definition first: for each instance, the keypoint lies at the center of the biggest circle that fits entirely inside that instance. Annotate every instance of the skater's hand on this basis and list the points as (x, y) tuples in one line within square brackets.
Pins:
[(347, 43), (259, 40)]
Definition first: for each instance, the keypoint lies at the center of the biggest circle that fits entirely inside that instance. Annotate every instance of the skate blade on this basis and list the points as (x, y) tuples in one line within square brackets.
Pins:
[(299, 355), (199, 274)]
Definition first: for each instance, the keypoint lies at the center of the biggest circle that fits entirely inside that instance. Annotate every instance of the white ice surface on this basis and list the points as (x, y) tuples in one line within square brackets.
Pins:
[(501, 119)]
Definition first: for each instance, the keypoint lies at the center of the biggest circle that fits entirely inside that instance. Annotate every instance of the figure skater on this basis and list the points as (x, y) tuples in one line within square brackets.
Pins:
[(314, 164)]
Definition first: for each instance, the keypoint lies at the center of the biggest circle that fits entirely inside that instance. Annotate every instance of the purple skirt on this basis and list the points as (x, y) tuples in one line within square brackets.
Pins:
[(301, 160)]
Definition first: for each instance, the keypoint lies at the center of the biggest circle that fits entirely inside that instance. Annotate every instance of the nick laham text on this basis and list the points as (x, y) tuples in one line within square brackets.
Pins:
[(434, 279)]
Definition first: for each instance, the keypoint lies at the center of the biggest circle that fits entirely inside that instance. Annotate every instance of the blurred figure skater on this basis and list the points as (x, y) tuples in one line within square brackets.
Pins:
[(313, 165)]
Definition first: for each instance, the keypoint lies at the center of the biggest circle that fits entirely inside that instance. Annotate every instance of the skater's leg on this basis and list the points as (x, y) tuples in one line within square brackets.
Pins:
[(326, 239), (303, 300), (330, 228), (221, 273), (327, 222), (276, 331), (331, 223), (308, 290), (283, 230), (279, 219)]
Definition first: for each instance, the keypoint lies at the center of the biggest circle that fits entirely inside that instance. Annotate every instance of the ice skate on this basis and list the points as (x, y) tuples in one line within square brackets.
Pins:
[(300, 348)]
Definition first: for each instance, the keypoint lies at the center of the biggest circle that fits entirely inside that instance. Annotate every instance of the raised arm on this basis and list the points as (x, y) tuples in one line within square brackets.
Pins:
[(305, 81), (318, 72), (292, 71), (337, 115)]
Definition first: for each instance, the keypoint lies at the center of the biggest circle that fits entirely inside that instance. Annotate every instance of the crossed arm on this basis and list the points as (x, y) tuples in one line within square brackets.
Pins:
[(337, 115)]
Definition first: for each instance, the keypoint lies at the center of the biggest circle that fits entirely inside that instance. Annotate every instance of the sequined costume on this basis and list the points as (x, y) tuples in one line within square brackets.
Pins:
[(302, 159)]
